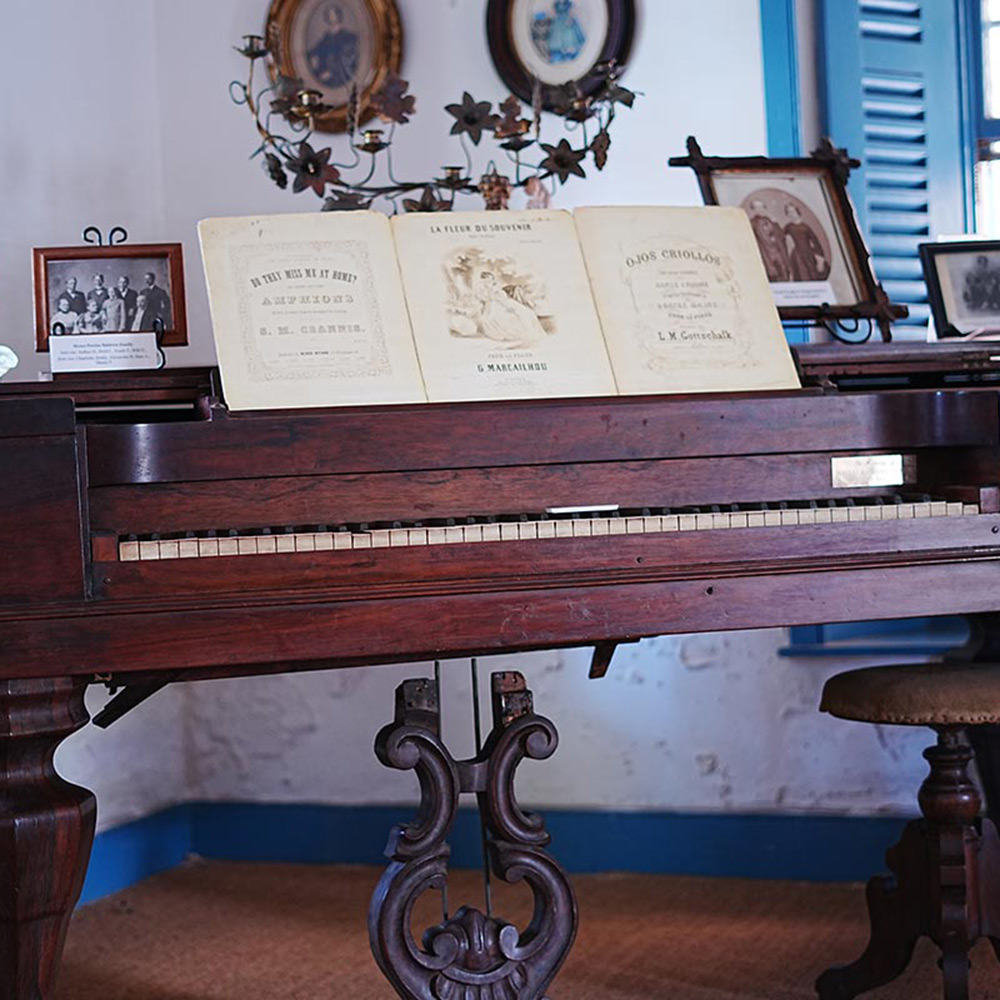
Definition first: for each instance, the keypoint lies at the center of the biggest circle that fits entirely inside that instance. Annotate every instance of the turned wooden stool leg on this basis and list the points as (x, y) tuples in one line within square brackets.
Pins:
[(936, 887), (46, 833)]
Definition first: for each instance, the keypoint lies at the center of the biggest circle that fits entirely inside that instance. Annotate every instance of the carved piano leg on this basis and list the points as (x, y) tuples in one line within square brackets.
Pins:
[(470, 955), (46, 833)]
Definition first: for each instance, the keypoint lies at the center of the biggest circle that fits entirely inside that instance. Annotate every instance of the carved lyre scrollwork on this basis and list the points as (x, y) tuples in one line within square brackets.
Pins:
[(471, 955)]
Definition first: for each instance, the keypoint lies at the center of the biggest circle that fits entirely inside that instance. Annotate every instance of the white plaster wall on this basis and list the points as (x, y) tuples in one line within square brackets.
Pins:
[(701, 722)]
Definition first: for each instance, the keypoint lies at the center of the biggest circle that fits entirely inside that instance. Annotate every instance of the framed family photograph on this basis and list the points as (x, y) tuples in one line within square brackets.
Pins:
[(816, 260), (963, 285), (557, 42), (112, 289), (331, 45)]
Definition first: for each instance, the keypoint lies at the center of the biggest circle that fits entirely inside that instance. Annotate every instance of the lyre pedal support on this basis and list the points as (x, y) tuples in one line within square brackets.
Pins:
[(470, 954)]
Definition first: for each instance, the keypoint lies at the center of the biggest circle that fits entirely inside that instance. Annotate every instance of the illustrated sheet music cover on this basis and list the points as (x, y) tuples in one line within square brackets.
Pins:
[(501, 306), (684, 300), (308, 310)]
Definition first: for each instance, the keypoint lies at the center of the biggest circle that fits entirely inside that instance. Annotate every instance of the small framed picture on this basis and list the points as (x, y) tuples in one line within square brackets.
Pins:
[(333, 45), (112, 289), (557, 42), (963, 284), (814, 254)]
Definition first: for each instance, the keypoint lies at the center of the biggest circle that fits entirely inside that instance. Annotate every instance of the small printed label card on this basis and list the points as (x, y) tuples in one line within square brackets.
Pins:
[(103, 352)]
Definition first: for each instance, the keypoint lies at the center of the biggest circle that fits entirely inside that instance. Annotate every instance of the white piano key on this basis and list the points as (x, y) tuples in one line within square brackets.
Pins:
[(807, 515), (564, 529), (267, 545), (970, 508), (738, 519), (652, 523), (453, 535), (581, 528), (720, 521), (508, 531), (755, 519), (873, 512), (208, 548), (149, 551), (633, 525), (187, 548), (284, 543), (473, 532), (418, 536), (905, 511), (789, 517), (922, 509), (703, 522), (305, 542), (168, 549), (618, 526), (399, 537), (435, 536), (324, 541), (687, 522), (939, 508), (361, 540), (228, 546), (600, 526), (855, 514), (772, 518), (246, 545), (546, 529), (341, 541), (380, 538), (670, 522), (527, 531), (824, 515), (955, 509), (890, 512), (839, 515), (128, 551)]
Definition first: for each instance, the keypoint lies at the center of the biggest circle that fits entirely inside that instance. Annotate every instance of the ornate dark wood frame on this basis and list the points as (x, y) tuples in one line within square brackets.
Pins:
[(176, 336), (617, 46), (388, 57), (875, 306), (470, 955), (929, 252)]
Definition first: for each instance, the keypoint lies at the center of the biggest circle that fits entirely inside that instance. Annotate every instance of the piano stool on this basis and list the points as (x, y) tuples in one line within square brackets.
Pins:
[(945, 881)]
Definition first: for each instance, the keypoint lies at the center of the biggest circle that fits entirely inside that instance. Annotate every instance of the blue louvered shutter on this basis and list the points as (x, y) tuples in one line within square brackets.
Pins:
[(893, 97)]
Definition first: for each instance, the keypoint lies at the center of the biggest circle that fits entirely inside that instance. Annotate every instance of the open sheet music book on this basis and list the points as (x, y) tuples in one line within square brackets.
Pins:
[(350, 308)]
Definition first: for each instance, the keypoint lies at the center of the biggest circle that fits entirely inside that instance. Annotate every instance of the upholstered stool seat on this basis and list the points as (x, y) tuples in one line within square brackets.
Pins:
[(918, 694), (946, 867)]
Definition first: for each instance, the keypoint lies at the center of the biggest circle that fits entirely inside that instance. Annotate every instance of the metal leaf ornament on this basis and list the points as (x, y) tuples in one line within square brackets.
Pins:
[(346, 201), (272, 164), (286, 90), (472, 117), (311, 169), (563, 160), (429, 202), (392, 103), (599, 147)]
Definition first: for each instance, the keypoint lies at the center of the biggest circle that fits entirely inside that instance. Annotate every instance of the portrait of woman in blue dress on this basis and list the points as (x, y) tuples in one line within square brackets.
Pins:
[(558, 35)]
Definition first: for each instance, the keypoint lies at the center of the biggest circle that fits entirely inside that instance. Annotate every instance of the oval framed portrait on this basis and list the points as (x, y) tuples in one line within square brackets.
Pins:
[(557, 41), (331, 44)]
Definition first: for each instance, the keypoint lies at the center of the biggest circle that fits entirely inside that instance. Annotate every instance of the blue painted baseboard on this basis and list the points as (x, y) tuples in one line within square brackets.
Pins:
[(809, 848)]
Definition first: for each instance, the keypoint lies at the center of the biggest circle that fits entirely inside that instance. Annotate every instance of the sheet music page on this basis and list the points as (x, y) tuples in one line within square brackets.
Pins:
[(501, 306), (308, 310), (684, 300)]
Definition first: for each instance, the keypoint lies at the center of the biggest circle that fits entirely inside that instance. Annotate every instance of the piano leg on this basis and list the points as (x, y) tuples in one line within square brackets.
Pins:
[(46, 833)]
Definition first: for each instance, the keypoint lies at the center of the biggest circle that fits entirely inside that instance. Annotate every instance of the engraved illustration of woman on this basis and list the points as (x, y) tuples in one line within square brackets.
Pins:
[(503, 318), (806, 255), (566, 36)]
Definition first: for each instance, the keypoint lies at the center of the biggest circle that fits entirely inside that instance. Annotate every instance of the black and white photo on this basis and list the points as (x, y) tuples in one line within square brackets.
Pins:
[(963, 285), (119, 289)]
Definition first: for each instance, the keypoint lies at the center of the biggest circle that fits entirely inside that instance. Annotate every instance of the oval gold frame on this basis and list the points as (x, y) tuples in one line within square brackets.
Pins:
[(388, 57)]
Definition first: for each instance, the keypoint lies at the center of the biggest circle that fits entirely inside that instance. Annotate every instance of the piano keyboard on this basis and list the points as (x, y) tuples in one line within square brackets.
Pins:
[(593, 522)]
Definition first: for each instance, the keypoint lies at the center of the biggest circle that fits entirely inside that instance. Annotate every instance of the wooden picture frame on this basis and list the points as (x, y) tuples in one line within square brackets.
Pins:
[(814, 253), (72, 273), (963, 286), (331, 44), (521, 55)]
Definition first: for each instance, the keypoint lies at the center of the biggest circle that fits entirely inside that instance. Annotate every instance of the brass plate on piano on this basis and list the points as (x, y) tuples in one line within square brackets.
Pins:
[(849, 472)]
